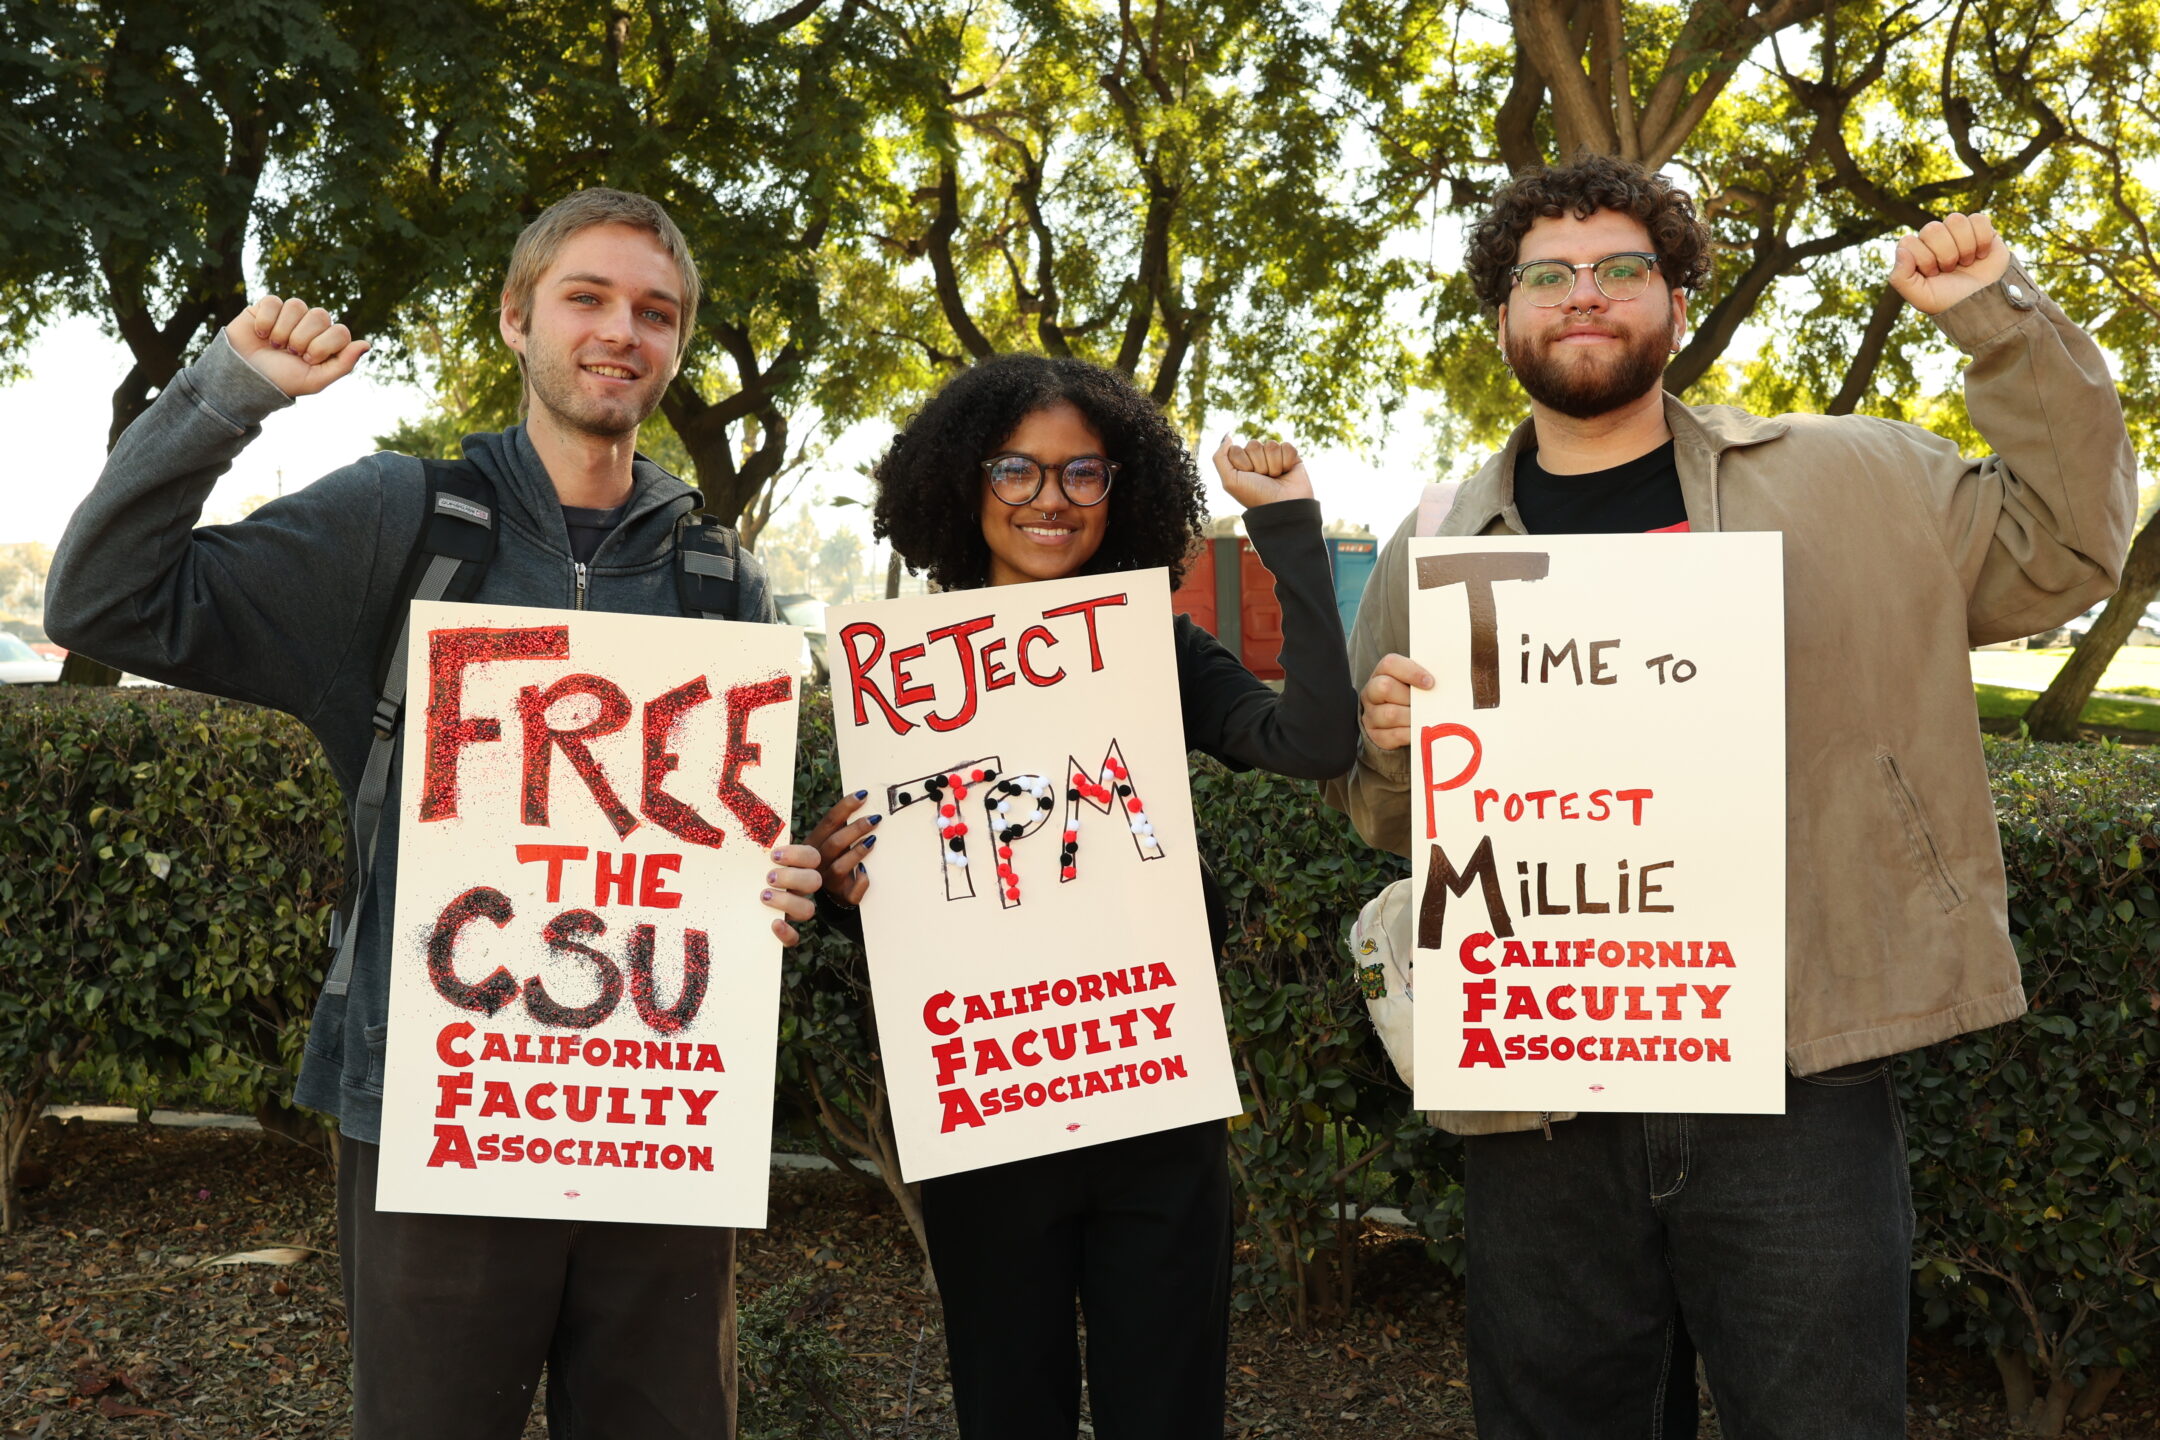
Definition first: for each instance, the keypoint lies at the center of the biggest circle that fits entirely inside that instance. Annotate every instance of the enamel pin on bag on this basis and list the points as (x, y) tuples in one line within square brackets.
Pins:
[(1380, 941)]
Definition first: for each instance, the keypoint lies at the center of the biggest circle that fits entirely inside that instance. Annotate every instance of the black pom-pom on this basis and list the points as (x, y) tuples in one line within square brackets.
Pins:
[(906, 799), (956, 843), (1045, 802), (990, 774), (1124, 789), (1072, 795)]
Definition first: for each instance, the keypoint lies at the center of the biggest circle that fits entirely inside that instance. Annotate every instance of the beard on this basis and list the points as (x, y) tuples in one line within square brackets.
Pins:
[(556, 387), (1583, 387)]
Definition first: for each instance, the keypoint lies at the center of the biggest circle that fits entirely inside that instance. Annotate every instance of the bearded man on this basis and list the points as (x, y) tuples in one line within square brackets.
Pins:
[(1599, 1244)]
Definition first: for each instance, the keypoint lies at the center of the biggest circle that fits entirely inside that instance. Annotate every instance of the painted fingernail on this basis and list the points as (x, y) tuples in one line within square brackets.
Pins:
[(863, 870), (869, 842), (767, 895), (862, 794), (772, 877), (877, 819), (778, 856)]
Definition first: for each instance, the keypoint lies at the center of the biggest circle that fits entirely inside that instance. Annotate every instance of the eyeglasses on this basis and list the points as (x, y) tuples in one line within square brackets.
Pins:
[(1018, 479), (1623, 276)]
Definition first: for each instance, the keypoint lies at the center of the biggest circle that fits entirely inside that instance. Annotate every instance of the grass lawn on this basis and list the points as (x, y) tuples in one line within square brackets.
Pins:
[(2135, 670), (2000, 702)]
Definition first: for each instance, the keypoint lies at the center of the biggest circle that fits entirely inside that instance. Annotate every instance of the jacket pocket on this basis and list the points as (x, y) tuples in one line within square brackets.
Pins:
[(1917, 835), (378, 1041)]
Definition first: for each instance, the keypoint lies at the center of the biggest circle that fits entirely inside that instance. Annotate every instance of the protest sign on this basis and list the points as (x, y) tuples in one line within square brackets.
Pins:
[(1038, 943), (585, 987), (1597, 811)]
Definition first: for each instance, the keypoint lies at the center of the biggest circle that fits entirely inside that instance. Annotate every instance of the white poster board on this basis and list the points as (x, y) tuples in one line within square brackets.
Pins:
[(585, 987), (1597, 812), (1038, 944)]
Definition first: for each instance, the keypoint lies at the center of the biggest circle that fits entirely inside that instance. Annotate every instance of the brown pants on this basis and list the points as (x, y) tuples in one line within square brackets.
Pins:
[(453, 1316)]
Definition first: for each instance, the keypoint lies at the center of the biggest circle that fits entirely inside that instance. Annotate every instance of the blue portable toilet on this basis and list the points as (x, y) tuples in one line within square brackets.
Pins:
[(1352, 560)]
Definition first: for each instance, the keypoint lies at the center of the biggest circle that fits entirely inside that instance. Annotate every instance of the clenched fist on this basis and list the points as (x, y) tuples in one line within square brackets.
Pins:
[(1261, 472), (1948, 260), (298, 349)]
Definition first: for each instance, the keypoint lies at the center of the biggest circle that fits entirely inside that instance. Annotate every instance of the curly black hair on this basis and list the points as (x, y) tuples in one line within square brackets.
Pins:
[(929, 483), (1582, 187)]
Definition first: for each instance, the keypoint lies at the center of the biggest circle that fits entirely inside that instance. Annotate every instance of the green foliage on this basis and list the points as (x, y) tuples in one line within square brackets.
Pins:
[(168, 865), (1328, 1128), (2036, 1145), (167, 868), (796, 1378)]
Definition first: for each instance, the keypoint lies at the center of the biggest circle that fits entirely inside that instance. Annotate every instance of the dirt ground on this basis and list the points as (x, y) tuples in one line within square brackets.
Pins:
[(119, 1324)]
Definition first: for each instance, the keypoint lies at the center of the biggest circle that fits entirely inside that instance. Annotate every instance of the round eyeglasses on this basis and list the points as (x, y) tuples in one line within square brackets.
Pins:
[(1623, 276), (1018, 479)]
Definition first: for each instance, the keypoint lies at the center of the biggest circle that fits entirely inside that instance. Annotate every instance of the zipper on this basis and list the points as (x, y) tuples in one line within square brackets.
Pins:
[(579, 567)]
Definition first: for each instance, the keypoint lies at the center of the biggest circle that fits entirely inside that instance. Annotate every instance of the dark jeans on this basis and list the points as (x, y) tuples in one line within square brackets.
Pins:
[(1139, 1231), (452, 1317), (1780, 1245)]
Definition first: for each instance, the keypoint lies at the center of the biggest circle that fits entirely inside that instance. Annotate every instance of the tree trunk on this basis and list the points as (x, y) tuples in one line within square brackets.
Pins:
[(2054, 716), (2098, 1386), (2017, 1383), (19, 1111)]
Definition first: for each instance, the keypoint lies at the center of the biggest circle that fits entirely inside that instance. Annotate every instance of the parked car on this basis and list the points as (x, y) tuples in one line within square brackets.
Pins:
[(21, 665), (809, 612)]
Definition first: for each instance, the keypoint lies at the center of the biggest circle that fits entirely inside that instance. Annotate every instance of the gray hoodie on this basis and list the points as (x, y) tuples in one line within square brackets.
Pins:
[(288, 608)]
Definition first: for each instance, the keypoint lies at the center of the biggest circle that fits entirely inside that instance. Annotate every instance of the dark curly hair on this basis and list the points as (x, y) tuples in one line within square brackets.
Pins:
[(929, 483), (1584, 185)]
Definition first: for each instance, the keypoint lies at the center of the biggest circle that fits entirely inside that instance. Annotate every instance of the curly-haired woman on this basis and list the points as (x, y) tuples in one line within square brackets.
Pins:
[(1029, 468)]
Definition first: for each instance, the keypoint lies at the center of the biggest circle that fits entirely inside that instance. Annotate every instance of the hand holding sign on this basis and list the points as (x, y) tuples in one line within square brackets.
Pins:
[(791, 882), (1261, 472), (1384, 703), (842, 845)]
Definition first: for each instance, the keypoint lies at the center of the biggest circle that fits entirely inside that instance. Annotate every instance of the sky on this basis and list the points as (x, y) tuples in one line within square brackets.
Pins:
[(57, 418)]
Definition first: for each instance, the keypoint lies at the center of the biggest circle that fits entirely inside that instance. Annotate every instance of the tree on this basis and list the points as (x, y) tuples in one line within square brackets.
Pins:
[(1158, 189), (144, 144)]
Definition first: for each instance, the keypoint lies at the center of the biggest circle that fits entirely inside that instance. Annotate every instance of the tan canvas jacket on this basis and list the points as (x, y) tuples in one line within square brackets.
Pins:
[(1900, 554)]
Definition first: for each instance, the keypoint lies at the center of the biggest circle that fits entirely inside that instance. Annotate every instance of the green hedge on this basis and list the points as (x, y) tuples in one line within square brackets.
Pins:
[(2035, 1146), (167, 863)]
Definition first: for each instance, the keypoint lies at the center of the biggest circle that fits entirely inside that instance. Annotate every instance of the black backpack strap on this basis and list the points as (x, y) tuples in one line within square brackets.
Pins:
[(456, 543), (708, 559)]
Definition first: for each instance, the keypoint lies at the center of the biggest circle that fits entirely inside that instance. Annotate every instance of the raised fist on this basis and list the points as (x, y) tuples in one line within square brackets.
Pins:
[(1260, 472), (1948, 260), (298, 349)]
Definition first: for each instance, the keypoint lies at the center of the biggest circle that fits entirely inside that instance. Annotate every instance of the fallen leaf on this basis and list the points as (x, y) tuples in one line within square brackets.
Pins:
[(276, 1255)]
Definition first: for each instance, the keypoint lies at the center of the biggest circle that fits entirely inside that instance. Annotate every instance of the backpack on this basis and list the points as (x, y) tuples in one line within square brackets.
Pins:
[(448, 562), (1381, 947)]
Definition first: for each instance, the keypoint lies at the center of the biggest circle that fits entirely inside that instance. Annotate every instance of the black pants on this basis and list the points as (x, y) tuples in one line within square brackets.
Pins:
[(1139, 1231), (452, 1317), (1783, 1242)]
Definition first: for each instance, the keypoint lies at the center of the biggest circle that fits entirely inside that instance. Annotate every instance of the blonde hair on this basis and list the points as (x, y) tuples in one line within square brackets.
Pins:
[(542, 240)]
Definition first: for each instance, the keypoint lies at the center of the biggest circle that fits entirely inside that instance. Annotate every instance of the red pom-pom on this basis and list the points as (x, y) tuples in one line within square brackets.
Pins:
[(947, 811), (1005, 852), (1013, 894), (1068, 872), (1005, 873), (1072, 837), (1133, 804), (975, 777), (959, 791), (1117, 769), (959, 827)]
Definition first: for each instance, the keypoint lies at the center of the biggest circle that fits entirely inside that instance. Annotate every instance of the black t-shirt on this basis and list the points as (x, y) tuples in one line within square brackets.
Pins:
[(589, 527), (1643, 494)]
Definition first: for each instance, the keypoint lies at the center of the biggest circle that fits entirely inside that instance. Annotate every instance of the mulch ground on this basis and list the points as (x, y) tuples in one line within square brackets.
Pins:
[(117, 1324)]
